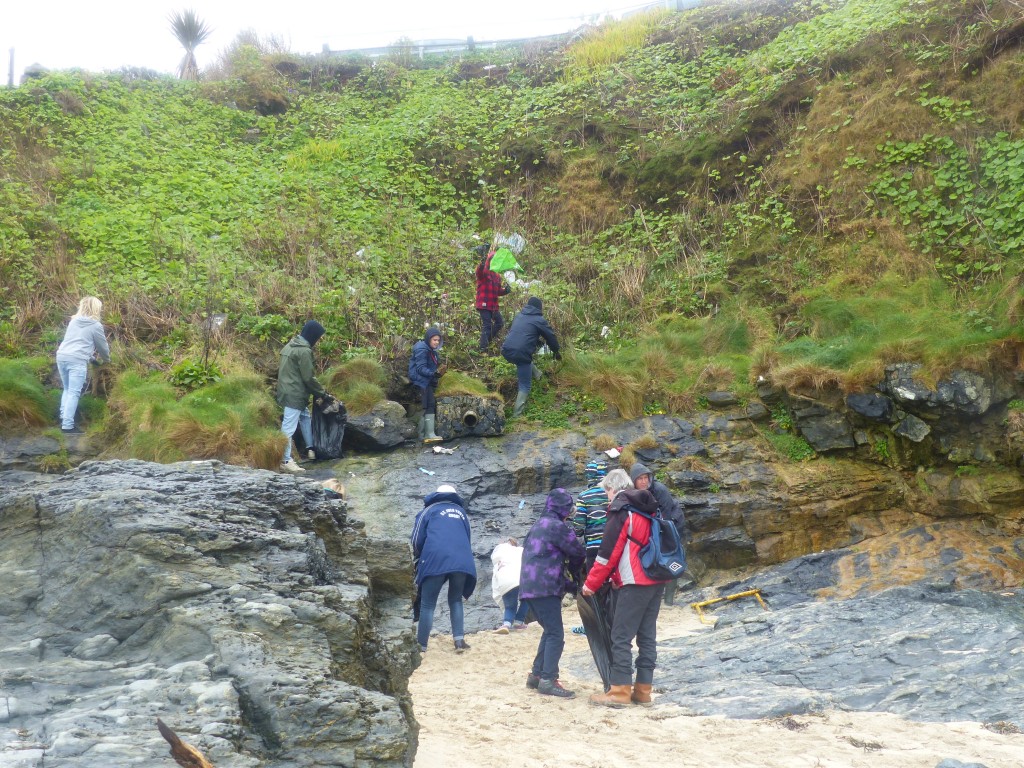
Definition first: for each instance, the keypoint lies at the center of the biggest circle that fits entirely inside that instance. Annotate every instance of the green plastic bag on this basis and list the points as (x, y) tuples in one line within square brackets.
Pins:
[(503, 260)]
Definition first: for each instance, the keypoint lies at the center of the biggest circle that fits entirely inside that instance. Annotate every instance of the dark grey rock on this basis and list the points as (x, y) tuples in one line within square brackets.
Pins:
[(383, 428), (874, 406), (907, 651), (912, 428), (721, 399), (756, 411), (965, 391), (826, 432), (903, 388), (30, 451)]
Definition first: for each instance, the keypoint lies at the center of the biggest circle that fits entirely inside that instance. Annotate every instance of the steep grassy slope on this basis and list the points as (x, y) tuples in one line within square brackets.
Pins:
[(802, 191)]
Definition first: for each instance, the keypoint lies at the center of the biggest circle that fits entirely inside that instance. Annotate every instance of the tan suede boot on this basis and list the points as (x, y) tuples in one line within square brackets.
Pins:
[(641, 693), (617, 697)]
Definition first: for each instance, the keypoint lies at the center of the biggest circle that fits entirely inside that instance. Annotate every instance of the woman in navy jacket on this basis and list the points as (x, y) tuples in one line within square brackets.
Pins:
[(443, 552)]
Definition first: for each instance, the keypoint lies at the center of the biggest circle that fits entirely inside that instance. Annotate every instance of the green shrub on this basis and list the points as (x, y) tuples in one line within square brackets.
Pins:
[(191, 374)]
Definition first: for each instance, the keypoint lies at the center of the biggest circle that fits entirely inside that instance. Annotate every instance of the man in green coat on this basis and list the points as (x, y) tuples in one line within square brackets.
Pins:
[(295, 383)]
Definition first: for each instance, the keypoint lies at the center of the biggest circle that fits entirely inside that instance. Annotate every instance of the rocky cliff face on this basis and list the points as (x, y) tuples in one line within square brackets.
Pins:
[(238, 606), (270, 627)]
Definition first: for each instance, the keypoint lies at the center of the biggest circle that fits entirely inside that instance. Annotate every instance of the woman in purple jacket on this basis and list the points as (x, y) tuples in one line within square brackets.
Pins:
[(550, 548)]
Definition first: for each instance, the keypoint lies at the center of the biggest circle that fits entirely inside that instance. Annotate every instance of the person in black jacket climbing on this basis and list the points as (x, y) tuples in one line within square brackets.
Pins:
[(523, 340)]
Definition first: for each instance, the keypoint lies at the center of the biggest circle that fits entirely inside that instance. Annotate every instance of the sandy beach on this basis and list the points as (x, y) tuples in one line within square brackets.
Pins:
[(474, 710)]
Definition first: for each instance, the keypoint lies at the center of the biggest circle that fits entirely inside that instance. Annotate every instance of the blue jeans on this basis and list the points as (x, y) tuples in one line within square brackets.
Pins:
[(72, 378), (295, 417), (548, 611), (430, 588), (524, 376), (511, 600)]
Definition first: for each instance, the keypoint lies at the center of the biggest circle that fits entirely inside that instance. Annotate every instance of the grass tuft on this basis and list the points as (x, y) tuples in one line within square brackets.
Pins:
[(23, 400), (358, 382), (233, 420)]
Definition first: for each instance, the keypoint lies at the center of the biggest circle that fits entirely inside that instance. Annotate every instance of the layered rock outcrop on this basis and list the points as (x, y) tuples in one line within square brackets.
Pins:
[(239, 606)]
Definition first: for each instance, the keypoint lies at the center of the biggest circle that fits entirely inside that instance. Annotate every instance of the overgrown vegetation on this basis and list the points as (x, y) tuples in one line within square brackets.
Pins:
[(798, 191)]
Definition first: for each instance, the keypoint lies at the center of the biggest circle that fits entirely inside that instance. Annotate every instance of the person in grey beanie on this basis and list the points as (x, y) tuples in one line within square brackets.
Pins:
[(643, 478)]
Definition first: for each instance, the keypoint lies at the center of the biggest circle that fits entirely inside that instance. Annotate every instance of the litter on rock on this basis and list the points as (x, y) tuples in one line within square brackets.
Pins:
[(522, 503), (426, 471), (439, 449)]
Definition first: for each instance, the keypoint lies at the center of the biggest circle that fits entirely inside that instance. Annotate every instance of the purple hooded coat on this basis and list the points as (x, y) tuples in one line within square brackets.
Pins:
[(549, 548)]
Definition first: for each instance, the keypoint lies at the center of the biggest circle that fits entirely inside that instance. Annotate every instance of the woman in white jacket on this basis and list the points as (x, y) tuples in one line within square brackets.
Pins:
[(83, 340), (507, 559)]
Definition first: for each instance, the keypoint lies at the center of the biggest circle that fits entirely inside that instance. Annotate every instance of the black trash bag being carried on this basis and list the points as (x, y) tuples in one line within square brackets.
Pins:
[(595, 613), (329, 419)]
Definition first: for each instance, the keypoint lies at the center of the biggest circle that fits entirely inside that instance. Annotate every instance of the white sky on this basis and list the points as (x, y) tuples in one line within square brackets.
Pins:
[(107, 34)]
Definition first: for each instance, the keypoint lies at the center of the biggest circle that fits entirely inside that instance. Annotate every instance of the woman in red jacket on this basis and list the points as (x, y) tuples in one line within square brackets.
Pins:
[(636, 598), (489, 287)]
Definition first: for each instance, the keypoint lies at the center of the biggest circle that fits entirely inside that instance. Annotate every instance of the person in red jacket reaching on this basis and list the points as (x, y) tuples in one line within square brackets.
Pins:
[(636, 598), (489, 286)]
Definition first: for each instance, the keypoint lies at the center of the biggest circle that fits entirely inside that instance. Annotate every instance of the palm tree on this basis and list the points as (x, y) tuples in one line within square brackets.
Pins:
[(191, 33)]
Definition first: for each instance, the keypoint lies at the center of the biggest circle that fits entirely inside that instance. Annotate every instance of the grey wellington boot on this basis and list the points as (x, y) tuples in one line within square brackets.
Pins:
[(428, 430), (420, 428), (536, 372), (520, 405)]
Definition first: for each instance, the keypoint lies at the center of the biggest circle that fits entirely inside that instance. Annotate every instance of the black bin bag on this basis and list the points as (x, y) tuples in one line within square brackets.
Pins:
[(329, 419)]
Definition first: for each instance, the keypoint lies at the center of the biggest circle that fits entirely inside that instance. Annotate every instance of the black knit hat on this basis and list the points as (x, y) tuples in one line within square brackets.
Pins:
[(312, 331)]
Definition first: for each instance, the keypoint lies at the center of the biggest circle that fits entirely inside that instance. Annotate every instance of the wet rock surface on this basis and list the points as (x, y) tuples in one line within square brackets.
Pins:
[(234, 604), (925, 653)]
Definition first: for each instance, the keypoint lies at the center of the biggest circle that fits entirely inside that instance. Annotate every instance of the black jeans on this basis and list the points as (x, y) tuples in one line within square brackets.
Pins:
[(548, 611), (491, 323), (635, 614), (428, 399)]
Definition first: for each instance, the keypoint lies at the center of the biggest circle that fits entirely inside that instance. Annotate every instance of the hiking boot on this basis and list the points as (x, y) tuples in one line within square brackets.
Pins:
[(291, 466), (641, 693), (532, 681), (311, 454), (519, 625), (503, 629), (461, 646), (554, 688), (618, 696), (72, 431)]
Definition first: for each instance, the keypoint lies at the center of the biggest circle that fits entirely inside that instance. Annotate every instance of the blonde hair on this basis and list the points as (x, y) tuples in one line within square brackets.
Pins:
[(616, 480), (90, 307)]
